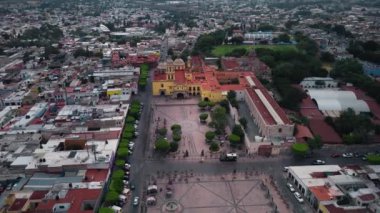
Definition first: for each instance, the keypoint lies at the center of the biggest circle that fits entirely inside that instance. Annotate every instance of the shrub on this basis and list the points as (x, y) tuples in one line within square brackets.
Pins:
[(234, 139), (129, 128), (128, 135), (175, 127), (243, 122), (210, 135), (214, 147), (374, 159), (174, 146), (118, 174), (130, 119), (122, 153), (162, 145), (111, 198), (176, 137), (120, 163), (162, 132), (202, 104), (203, 117), (300, 149), (117, 185), (107, 210), (210, 104)]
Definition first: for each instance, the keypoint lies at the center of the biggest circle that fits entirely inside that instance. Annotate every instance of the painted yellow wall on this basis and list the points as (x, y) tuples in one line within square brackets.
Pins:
[(323, 209), (157, 86), (114, 92), (214, 96)]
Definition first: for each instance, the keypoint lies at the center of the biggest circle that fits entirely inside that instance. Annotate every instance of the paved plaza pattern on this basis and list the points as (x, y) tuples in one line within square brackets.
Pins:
[(185, 113), (219, 194)]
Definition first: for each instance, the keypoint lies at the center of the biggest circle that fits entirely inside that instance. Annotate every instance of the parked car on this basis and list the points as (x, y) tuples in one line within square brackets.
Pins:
[(136, 201), (335, 155), (319, 162), (348, 155), (228, 157), (298, 196), (131, 186), (290, 186)]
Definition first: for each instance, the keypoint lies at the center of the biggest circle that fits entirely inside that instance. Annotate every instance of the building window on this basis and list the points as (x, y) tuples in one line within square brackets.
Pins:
[(280, 130), (162, 85)]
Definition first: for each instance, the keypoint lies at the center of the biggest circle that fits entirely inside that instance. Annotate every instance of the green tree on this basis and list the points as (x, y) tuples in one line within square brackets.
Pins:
[(210, 135), (238, 130), (162, 145), (162, 132), (120, 163), (219, 117), (106, 209), (122, 153), (243, 122), (225, 105), (111, 197), (327, 57), (231, 95), (214, 147), (118, 174), (176, 128), (234, 139), (315, 143), (284, 37), (176, 137), (345, 67), (373, 159), (202, 104), (173, 146), (130, 119), (203, 117), (300, 149)]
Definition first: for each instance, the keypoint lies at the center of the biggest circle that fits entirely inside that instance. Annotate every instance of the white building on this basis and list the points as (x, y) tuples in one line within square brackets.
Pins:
[(318, 82)]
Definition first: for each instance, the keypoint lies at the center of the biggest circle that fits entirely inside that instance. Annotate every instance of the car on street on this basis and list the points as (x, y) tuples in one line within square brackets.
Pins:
[(348, 155), (290, 186), (319, 162), (136, 201), (298, 196), (335, 155), (228, 157), (132, 187)]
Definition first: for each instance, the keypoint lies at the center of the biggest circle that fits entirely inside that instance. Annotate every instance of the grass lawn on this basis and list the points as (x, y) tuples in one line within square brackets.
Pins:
[(222, 50)]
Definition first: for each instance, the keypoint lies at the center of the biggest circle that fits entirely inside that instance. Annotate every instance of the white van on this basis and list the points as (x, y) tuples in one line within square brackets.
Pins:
[(123, 198), (116, 209), (152, 189), (126, 191)]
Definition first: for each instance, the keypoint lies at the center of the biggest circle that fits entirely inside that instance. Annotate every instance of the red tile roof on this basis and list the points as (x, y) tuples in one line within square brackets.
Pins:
[(75, 197), (322, 193), (303, 132), (335, 209), (17, 205), (96, 175), (367, 197), (180, 76), (104, 135), (327, 133), (38, 195)]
